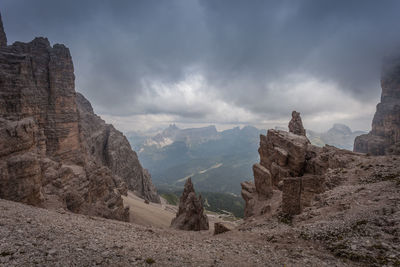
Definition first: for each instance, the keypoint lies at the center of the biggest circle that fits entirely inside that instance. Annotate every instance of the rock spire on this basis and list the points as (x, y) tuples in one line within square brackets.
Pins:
[(296, 125), (190, 215)]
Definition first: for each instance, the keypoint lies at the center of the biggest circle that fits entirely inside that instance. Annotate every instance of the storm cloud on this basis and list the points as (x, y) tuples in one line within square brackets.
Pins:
[(148, 63)]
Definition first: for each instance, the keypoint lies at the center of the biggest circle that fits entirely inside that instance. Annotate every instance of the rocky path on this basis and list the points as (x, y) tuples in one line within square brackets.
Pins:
[(31, 236)]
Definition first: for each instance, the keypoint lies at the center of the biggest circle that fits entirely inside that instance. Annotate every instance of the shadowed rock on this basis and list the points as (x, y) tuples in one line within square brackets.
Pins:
[(220, 228), (3, 37), (190, 214), (291, 197), (384, 138)]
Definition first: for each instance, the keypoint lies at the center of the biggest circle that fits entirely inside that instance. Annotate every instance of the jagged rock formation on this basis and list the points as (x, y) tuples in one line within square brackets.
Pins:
[(190, 215), (296, 125), (289, 162), (45, 157), (384, 138), (109, 147)]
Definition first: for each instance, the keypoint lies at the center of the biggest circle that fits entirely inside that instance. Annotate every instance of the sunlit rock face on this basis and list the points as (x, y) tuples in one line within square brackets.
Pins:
[(384, 138)]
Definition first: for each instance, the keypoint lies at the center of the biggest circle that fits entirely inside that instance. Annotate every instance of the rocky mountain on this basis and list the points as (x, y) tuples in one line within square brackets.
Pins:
[(190, 136), (340, 136), (216, 161), (54, 151), (384, 138)]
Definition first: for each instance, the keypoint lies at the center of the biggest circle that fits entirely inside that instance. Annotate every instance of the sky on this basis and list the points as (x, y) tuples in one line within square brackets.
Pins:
[(146, 64)]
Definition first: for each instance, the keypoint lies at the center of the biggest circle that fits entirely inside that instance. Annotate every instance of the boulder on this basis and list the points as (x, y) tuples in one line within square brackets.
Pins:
[(220, 228)]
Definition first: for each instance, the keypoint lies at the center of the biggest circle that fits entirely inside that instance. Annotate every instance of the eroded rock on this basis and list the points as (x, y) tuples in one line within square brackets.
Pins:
[(190, 215), (53, 152), (290, 163), (296, 124)]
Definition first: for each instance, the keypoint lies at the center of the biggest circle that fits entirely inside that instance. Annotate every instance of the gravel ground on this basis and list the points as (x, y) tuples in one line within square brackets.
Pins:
[(32, 236), (356, 223)]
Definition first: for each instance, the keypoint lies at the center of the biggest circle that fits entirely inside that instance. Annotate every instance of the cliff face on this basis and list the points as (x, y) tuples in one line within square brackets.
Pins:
[(45, 138), (384, 138), (109, 147)]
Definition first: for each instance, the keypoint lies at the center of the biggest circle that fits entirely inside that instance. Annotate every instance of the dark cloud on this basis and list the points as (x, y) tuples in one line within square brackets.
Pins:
[(247, 51)]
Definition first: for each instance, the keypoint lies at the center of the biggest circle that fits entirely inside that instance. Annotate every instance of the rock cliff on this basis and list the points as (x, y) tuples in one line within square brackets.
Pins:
[(107, 146), (190, 214), (47, 139), (384, 138), (291, 171)]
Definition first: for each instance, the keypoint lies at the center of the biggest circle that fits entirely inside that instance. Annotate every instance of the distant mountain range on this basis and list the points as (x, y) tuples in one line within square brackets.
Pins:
[(339, 135), (217, 161)]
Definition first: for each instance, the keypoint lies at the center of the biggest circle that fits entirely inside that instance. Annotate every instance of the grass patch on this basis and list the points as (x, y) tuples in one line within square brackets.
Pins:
[(150, 261)]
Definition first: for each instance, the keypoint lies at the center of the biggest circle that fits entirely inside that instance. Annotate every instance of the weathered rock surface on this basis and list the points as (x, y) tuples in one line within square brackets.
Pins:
[(45, 158), (384, 138), (108, 146), (291, 197), (289, 162), (296, 124), (190, 215)]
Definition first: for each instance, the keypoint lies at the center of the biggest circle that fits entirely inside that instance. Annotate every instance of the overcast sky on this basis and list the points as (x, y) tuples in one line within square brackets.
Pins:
[(147, 63)]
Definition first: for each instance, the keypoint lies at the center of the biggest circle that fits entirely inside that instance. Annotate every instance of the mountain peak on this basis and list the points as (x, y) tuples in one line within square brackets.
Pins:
[(342, 128)]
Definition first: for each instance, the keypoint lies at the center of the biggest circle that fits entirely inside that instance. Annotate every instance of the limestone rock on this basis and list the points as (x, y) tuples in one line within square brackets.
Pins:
[(220, 228), (296, 125), (190, 214), (283, 154), (291, 197), (46, 141), (262, 180), (109, 147), (384, 138), (3, 37), (249, 195), (290, 163)]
